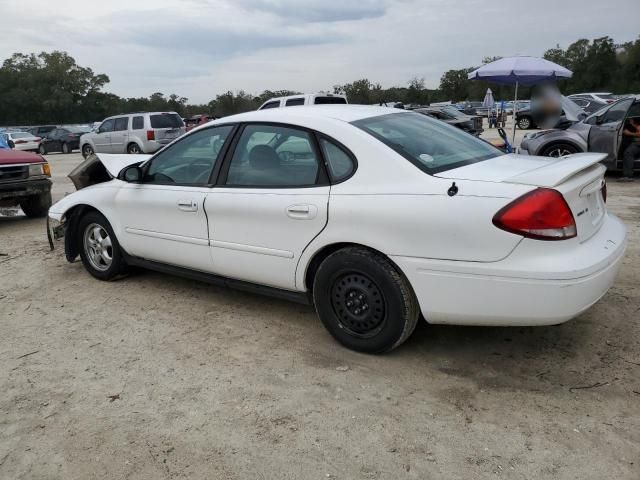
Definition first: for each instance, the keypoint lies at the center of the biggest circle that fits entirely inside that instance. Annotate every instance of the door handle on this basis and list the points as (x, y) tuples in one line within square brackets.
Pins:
[(302, 212), (187, 205)]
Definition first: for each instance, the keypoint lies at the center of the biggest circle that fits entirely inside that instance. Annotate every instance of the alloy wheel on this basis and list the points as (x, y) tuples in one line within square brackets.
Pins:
[(98, 247)]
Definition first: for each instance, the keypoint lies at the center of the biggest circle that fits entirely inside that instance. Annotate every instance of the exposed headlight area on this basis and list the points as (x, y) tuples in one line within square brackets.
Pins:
[(39, 170)]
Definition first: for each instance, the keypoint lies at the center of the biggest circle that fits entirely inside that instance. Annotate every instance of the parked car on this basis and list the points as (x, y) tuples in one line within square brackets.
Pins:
[(24, 141), (589, 105), (526, 119), (24, 182), (40, 131), (472, 108), (452, 116), (62, 139), (134, 133), (372, 215), (305, 99), (604, 97), (600, 132)]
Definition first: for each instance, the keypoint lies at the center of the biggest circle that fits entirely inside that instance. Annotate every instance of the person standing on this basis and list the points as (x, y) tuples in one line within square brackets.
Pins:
[(632, 152)]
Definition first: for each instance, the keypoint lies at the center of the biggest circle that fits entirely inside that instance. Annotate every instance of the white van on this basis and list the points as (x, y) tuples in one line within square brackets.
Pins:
[(305, 99)]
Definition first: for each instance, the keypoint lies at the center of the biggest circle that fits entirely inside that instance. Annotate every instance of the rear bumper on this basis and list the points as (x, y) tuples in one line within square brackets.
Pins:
[(529, 287), (24, 188)]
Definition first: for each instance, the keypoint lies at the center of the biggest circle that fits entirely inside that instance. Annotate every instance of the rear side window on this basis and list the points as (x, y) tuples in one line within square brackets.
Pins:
[(121, 124), (270, 105), (330, 101), (341, 165), (166, 120), (138, 123), (292, 102)]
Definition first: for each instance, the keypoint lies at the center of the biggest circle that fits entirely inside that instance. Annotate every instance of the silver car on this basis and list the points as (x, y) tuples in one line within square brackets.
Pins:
[(133, 133), (599, 132)]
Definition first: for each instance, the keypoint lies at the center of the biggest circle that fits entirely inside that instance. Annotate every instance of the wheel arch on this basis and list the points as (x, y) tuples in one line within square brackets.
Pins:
[(72, 217), (134, 142)]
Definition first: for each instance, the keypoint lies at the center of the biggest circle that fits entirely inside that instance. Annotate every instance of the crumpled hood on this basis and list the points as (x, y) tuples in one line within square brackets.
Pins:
[(101, 168), (114, 163)]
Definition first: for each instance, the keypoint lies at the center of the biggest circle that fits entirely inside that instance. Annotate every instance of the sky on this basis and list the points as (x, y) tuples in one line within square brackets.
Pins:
[(200, 48)]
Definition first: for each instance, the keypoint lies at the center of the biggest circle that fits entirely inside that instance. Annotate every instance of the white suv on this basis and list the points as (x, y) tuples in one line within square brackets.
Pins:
[(305, 99), (144, 132)]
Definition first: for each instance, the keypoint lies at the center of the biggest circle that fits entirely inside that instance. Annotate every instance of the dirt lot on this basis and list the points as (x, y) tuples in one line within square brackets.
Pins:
[(158, 377)]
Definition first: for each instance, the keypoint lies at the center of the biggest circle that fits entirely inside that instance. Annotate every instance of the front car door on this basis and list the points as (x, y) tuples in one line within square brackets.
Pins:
[(163, 218), (102, 137), (271, 202), (52, 140), (605, 129), (120, 135)]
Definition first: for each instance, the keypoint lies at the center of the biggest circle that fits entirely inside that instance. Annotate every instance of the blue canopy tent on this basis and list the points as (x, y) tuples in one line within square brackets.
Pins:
[(519, 71)]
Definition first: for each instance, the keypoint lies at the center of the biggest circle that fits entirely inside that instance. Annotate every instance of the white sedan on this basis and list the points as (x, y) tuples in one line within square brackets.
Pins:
[(23, 141), (373, 215)]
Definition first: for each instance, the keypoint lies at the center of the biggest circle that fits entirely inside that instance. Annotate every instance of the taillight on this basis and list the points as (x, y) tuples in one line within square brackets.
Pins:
[(151, 135), (16, 142), (604, 191), (542, 214)]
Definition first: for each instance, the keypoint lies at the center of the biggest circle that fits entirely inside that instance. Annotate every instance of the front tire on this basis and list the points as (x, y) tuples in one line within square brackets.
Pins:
[(100, 251), (87, 150), (42, 149), (364, 302), (524, 123), (36, 207), (558, 150)]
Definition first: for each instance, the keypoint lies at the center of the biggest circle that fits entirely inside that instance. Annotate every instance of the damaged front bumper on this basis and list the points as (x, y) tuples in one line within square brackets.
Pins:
[(55, 228)]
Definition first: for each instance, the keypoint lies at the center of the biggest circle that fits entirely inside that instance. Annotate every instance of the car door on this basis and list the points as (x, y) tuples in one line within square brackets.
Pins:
[(603, 135), (271, 201), (53, 143), (102, 137), (162, 218), (120, 135)]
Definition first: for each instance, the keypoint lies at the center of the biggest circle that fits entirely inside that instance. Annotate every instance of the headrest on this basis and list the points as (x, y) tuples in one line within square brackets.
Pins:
[(263, 157)]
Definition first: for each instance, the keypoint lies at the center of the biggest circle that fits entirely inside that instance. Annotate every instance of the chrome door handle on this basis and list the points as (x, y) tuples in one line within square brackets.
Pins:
[(187, 205)]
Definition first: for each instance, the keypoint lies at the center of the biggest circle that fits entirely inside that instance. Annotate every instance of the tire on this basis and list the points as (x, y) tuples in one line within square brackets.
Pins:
[(42, 149), (87, 150), (364, 302), (103, 261), (558, 150), (37, 206), (134, 149), (65, 148), (525, 123)]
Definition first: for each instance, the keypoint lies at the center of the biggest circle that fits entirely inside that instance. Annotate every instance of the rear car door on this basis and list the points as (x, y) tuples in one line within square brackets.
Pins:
[(120, 135), (163, 217), (102, 138), (603, 135), (53, 141), (270, 203)]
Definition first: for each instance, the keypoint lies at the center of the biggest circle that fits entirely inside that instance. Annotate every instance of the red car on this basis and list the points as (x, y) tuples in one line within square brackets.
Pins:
[(24, 181)]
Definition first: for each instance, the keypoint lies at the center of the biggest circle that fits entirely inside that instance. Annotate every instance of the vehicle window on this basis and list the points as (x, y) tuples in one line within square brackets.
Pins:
[(138, 123), (78, 130), (617, 112), (21, 135), (606, 96), (189, 161), (107, 126), (272, 156), (340, 163), (166, 120), (330, 101), (292, 102), (275, 104), (430, 145), (121, 124)]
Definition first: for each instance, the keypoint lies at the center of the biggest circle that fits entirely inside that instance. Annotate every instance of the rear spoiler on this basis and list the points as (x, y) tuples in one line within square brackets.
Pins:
[(553, 174)]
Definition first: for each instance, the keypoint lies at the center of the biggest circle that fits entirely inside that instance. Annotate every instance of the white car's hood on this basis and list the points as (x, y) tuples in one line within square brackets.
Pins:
[(114, 163), (524, 169)]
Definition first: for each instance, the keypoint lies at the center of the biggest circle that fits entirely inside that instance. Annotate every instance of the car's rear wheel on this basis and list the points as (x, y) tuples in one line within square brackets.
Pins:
[(65, 148), (36, 206), (364, 301), (524, 123), (100, 251), (87, 150), (134, 149), (42, 149), (558, 150)]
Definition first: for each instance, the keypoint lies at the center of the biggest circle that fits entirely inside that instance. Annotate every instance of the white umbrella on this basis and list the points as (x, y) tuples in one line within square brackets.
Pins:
[(488, 102), (519, 71)]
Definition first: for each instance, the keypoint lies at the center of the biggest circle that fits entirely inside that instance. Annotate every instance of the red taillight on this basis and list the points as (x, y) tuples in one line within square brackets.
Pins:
[(604, 191), (16, 142), (542, 214), (151, 135)]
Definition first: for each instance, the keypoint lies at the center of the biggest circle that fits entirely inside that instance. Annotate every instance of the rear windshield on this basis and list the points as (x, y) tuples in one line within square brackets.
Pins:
[(606, 96), (429, 144), (78, 129), (330, 100), (166, 120), (21, 135)]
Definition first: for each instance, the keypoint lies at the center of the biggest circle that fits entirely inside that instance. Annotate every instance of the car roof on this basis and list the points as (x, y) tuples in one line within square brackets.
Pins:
[(343, 112)]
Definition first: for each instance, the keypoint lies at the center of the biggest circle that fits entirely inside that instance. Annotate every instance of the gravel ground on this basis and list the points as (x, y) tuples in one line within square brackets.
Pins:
[(158, 377)]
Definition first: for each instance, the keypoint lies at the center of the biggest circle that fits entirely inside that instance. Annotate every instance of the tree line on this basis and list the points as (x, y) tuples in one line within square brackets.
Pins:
[(50, 87)]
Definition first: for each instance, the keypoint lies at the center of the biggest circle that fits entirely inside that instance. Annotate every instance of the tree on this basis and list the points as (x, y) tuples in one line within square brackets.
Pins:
[(455, 84)]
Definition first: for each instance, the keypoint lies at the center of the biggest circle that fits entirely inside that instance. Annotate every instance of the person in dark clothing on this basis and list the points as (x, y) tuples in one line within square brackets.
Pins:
[(632, 152)]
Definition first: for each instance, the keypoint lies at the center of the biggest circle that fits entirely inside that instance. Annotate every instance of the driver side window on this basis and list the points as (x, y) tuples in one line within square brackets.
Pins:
[(107, 126), (189, 161)]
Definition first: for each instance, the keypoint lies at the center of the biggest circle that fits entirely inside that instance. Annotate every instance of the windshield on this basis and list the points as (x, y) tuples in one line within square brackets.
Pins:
[(429, 144), (606, 96), (453, 112), (21, 135)]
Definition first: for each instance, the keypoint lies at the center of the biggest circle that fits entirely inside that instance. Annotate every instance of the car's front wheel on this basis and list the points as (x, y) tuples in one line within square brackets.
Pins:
[(364, 301), (42, 149), (100, 251), (558, 150), (87, 150), (524, 123)]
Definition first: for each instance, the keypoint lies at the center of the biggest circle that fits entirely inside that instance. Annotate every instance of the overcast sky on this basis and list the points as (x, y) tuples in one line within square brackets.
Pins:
[(199, 48)]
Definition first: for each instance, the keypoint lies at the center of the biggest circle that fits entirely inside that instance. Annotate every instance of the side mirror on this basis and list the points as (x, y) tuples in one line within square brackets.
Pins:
[(131, 174)]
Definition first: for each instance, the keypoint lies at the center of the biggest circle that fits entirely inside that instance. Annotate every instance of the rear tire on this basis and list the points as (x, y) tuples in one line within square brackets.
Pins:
[(65, 148), (524, 123), (87, 150), (42, 149), (100, 251), (558, 150), (134, 149), (37, 206), (364, 302)]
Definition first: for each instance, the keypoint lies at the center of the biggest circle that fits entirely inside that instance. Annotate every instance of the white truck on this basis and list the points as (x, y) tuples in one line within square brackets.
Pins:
[(321, 98)]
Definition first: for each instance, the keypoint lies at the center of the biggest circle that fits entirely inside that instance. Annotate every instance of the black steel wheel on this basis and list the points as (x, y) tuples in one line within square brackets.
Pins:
[(364, 301)]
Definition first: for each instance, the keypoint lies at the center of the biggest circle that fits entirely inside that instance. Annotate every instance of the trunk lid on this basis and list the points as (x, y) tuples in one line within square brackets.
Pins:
[(579, 178)]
